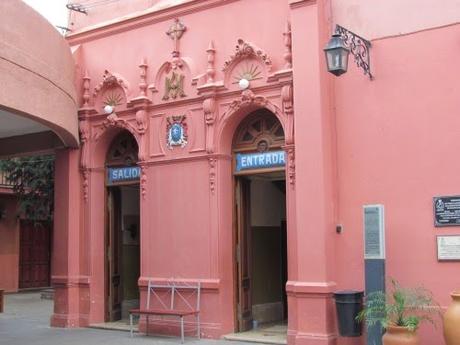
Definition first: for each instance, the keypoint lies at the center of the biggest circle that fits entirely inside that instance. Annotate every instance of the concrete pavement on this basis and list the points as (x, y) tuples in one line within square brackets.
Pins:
[(26, 321)]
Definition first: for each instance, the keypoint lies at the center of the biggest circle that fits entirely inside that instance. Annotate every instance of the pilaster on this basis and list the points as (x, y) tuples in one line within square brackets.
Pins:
[(311, 285), (66, 242)]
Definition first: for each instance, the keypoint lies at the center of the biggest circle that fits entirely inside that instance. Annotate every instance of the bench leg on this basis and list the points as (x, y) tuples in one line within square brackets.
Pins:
[(198, 326), (182, 329), (131, 324)]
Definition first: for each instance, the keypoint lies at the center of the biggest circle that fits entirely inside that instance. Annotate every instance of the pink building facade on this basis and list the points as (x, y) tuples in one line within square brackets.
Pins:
[(179, 100)]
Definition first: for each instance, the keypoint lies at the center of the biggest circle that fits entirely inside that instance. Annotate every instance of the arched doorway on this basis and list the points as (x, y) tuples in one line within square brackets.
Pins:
[(122, 265), (260, 222)]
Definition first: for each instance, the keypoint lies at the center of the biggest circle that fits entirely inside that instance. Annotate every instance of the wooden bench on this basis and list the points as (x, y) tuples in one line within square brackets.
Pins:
[(171, 299)]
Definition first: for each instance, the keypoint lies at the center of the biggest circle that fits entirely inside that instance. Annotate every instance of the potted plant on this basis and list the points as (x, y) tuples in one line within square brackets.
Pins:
[(399, 312)]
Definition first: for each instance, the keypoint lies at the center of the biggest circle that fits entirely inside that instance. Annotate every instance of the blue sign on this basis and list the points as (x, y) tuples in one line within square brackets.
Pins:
[(260, 160), (122, 174)]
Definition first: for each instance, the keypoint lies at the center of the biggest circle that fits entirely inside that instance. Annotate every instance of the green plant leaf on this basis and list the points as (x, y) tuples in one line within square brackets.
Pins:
[(32, 179), (405, 307)]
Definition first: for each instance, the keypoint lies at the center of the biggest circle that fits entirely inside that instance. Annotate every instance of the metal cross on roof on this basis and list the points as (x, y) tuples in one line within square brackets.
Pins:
[(175, 32)]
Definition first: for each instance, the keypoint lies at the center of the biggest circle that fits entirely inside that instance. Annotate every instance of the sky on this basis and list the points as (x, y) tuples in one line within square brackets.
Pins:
[(53, 10)]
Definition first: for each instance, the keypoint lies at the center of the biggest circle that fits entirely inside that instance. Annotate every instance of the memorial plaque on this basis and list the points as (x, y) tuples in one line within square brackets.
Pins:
[(446, 211), (374, 236), (448, 247)]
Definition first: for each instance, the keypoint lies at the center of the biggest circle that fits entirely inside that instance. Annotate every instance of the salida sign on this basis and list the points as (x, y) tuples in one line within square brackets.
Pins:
[(122, 174), (260, 160)]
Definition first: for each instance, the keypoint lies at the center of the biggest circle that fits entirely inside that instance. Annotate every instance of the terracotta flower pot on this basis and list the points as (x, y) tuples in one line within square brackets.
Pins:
[(396, 335), (452, 321)]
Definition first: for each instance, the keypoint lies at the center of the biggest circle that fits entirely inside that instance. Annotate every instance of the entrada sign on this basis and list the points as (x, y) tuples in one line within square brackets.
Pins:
[(260, 160), (122, 174)]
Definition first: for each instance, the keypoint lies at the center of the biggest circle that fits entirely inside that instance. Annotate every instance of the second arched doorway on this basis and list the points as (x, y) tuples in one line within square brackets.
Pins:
[(122, 265), (260, 222)]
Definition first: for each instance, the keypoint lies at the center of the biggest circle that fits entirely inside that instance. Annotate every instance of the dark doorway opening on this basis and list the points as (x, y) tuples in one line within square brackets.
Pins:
[(123, 248), (261, 250), (123, 228)]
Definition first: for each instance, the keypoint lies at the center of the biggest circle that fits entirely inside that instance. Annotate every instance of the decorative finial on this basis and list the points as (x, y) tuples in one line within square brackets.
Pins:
[(143, 84), (211, 71), (288, 45), (86, 94)]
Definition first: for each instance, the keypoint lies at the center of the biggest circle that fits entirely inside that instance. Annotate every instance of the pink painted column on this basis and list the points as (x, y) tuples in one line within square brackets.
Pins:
[(311, 281), (66, 242), (97, 248)]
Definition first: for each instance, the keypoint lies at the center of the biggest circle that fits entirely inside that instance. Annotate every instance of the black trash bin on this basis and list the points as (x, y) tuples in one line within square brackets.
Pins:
[(348, 304)]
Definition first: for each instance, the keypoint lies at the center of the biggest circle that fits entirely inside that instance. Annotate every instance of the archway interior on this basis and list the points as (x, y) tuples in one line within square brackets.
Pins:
[(260, 204), (123, 227)]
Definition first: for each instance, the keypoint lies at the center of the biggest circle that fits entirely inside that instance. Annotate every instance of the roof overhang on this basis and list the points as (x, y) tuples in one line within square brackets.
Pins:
[(38, 97)]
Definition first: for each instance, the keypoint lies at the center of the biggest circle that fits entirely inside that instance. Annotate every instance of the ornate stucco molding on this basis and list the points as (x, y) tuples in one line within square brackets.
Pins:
[(249, 99), (290, 167), (84, 138), (212, 174), (143, 76), (85, 173), (287, 99), (138, 130), (246, 50), (210, 70), (111, 80), (210, 115), (86, 94), (141, 121), (288, 46), (143, 180)]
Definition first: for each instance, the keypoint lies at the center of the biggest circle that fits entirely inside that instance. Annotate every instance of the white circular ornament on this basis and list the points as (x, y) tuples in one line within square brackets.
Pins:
[(243, 84), (108, 109)]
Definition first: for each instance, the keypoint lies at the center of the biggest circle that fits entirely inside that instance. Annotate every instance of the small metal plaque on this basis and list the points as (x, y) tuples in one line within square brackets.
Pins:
[(448, 247), (446, 211), (374, 232)]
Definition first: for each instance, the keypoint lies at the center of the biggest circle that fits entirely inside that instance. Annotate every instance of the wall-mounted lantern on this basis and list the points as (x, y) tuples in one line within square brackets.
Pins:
[(339, 47), (336, 55)]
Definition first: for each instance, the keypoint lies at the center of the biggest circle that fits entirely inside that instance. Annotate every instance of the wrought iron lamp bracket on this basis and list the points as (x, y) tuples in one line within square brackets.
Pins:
[(359, 47)]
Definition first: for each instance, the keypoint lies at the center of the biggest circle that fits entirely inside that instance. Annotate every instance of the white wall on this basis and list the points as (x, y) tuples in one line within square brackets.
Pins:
[(373, 19), (268, 204)]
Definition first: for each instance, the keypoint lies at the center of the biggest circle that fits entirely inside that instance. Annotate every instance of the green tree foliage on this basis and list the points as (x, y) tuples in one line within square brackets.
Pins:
[(33, 182)]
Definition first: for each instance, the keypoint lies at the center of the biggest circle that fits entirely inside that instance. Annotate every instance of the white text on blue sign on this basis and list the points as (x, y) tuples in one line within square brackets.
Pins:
[(262, 160), (123, 174)]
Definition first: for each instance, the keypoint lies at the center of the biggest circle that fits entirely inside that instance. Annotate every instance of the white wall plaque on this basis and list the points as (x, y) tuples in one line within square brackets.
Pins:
[(374, 232), (448, 247)]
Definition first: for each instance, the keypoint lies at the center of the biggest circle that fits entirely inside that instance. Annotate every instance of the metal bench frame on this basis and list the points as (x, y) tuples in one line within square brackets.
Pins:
[(176, 290)]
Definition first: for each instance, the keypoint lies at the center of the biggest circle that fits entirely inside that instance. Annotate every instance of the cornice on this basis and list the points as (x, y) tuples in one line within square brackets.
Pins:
[(152, 161), (140, 19), (185, 159)]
